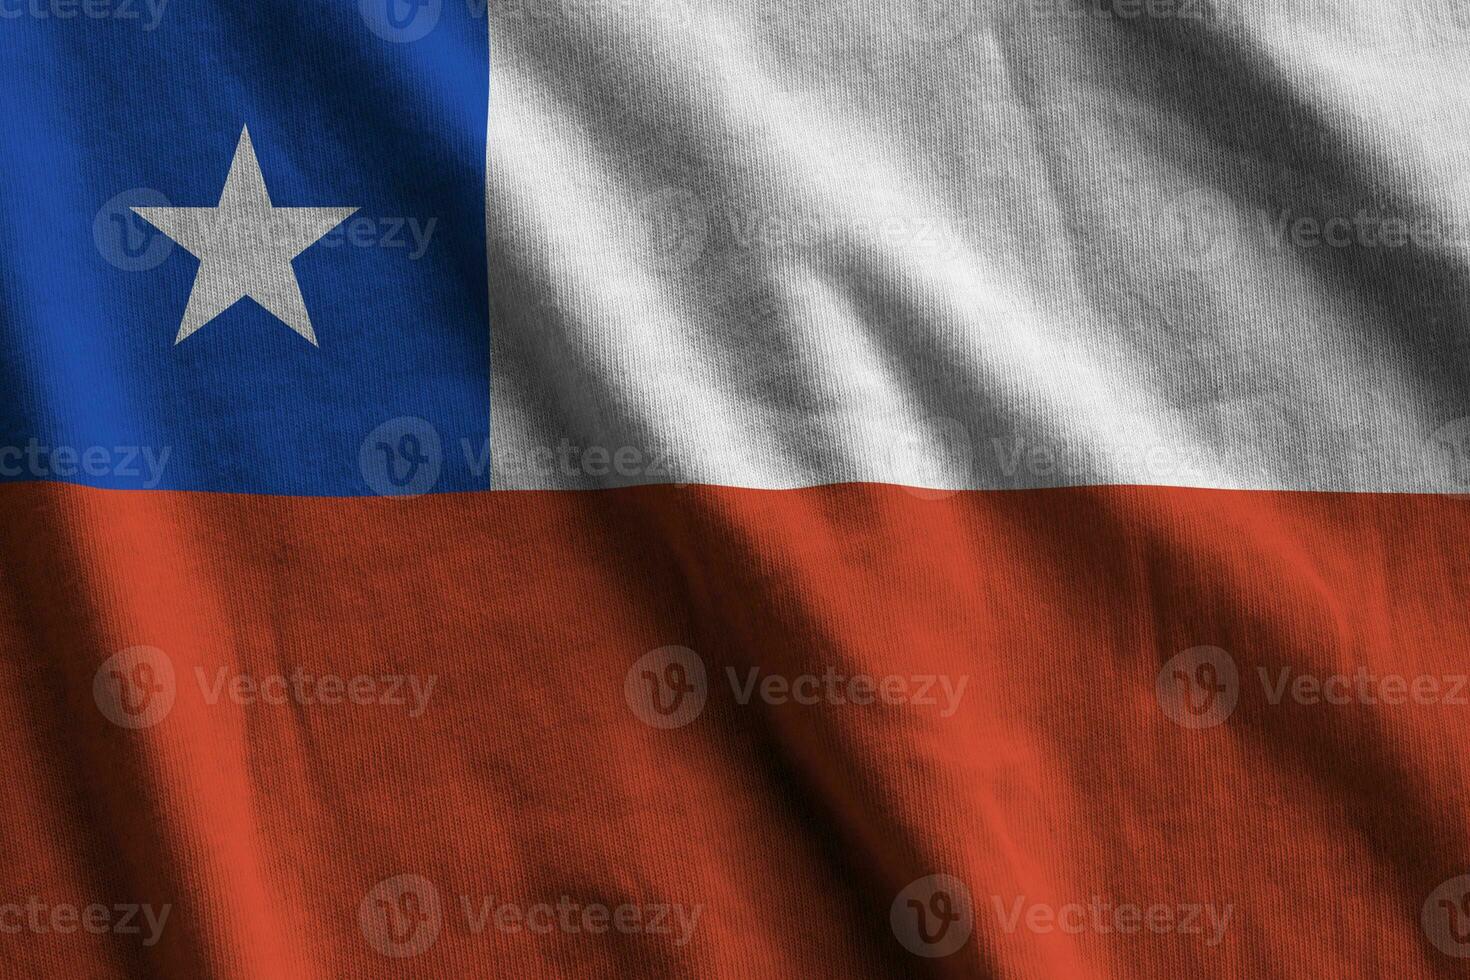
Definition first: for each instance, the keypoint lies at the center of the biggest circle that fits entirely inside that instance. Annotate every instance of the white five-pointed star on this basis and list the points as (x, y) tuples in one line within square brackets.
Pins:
[(245, 247)]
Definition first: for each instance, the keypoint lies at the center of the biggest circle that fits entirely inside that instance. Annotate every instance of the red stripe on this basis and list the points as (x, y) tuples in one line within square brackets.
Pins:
[(1058, 778)]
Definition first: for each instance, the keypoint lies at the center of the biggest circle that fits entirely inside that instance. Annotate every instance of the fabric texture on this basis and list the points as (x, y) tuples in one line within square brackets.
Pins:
[(746, 489), (1182, 243)]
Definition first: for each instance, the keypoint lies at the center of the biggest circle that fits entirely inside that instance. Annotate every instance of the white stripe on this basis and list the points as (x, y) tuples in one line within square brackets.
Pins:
[(749, 245)]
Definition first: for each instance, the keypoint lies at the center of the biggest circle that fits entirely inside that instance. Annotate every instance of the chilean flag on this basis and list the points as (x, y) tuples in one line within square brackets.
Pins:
[(726, 488)]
